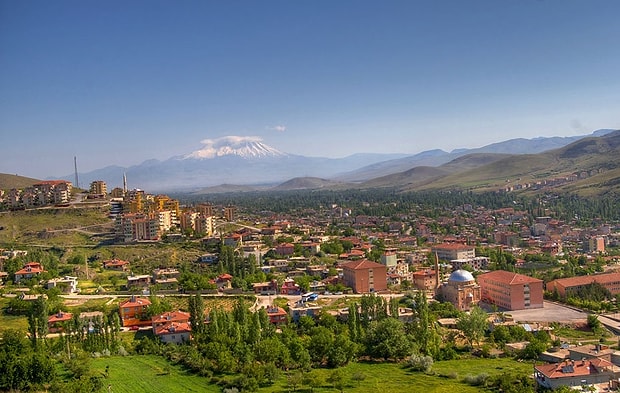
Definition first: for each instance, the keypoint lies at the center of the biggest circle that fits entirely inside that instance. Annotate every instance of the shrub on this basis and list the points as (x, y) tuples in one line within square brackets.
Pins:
[(420, 363), (477, 380)]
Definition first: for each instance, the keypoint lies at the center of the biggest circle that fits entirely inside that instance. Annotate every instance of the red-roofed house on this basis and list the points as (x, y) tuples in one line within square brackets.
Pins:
[(576, 373), (289, 287), (133, 311), (55, 322), (365, 276), (116, 264), (30, 270), (511, 291), (277, 315), (285, 249), (168, 317), (174, 332)]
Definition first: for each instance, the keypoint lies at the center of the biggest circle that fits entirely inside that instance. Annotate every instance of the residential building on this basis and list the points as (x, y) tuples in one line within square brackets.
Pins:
[(389, 259), (475, 263), (365, 276), (569, 286), (66, 284), (285, 249), (168, 317), (277, 315), (289, 287), (266, 288), (30, 270), (576, 373), (511, 291), (98, 187), (116, 264), (141, 281), (299, 310), (461, 290), (425, 280), (174, 332), (133, 311), (451, 251), (229, 213), (56, 322)]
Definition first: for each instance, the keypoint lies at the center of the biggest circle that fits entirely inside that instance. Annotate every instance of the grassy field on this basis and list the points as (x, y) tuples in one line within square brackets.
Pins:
[(149, 374), (153, 374)]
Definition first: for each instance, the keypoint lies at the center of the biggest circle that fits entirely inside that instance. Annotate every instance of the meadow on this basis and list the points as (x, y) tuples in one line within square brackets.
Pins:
[(154, 374)]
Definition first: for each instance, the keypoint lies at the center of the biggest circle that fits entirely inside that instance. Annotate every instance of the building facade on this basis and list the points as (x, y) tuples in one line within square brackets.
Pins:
[(566, 287), (365, 276), (450, 251), (511, 291)]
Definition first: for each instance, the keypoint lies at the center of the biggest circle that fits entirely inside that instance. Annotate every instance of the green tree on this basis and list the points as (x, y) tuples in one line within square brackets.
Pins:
[(473, 325), (197, 315), (37, 320), (386, 339)]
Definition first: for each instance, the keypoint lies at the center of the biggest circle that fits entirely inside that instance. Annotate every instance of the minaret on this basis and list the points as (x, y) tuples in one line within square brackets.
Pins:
[(124, 183), (77, 182), (437, 276)]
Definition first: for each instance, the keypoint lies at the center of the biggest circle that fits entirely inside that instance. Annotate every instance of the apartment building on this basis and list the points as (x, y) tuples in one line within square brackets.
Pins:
[(365, 276), (452, 251), (98, 187)]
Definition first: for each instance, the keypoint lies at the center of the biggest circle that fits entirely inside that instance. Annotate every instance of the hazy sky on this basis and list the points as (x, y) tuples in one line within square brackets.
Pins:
[(119, 82)]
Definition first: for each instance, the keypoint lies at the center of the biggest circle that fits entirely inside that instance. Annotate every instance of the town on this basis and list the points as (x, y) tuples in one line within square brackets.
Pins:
[(448, 279)]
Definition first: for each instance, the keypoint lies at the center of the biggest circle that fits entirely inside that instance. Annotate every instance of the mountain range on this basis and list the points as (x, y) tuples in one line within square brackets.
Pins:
[(235, 164)]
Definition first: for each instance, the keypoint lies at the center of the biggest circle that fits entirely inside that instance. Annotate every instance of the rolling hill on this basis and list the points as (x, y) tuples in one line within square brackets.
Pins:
[(589, 166), (8, 182)]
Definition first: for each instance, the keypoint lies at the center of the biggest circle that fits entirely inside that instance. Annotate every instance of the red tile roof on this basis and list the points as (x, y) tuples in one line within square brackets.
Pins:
[(575, 368), (59, 317), (172, 316), (173, 328), (361, 264), (135, 302), (508, 277), (585, 280)]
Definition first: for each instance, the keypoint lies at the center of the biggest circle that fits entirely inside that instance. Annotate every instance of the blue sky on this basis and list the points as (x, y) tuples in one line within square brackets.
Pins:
[(119, 82)]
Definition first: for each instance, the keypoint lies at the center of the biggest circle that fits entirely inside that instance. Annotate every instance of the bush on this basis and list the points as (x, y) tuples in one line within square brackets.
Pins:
[(477, 380), (420, 363)]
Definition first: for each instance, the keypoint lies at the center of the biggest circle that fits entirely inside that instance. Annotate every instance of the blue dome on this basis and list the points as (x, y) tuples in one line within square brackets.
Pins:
[(461, 276)]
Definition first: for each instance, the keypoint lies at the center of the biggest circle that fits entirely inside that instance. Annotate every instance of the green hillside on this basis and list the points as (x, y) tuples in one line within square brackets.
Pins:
[(595, 162)]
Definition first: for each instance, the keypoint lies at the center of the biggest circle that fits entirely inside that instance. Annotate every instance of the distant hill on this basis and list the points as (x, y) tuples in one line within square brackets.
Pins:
[(592, 164), (306, 183), (8, 182), (438, 157)]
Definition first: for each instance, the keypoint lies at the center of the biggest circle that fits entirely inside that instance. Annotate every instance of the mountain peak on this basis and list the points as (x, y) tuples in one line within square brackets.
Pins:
[(241, 146)]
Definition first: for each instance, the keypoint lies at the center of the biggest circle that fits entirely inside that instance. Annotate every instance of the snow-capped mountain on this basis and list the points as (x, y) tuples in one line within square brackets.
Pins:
[(242, 146), (227, 160)]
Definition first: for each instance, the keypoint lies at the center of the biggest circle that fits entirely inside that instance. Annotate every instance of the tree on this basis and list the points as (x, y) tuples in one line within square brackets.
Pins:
[(387, 339), (341, 352), (473, 325), (196, 315), (424, 329), (37, 320)]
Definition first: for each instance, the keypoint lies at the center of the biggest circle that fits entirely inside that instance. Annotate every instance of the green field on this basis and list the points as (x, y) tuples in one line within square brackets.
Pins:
[(154, 374), (149, 374)]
